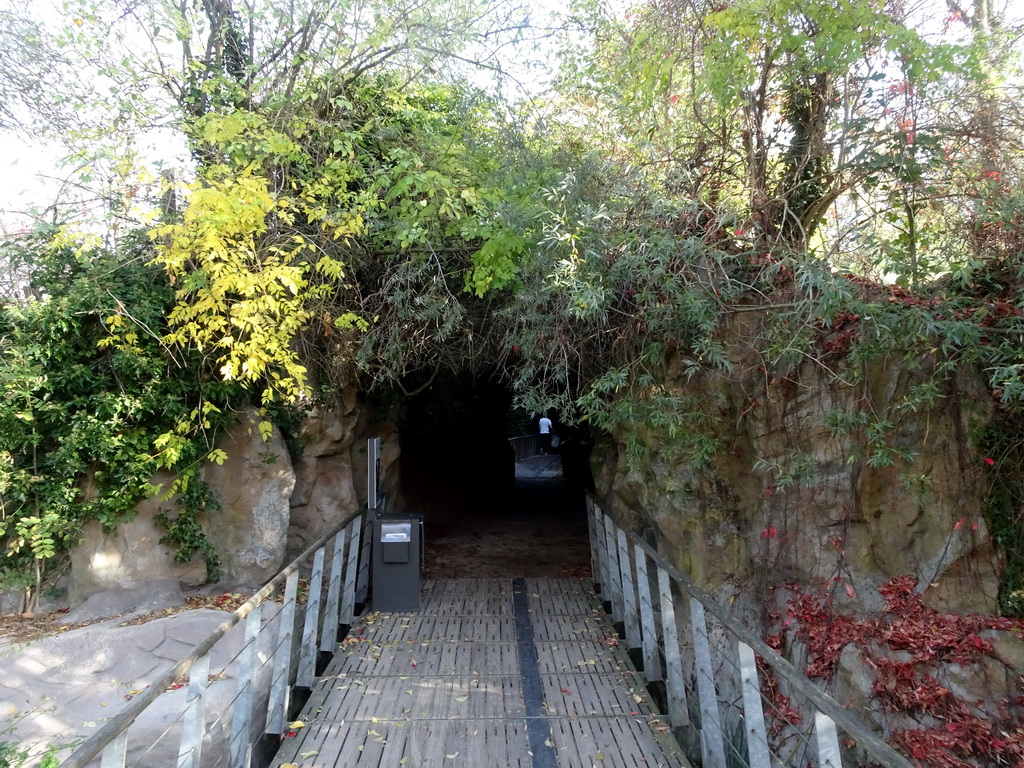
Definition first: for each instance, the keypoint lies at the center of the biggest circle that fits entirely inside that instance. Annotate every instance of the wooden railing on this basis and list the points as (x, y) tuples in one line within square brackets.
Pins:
[(259, 711), (709, 668), (525, 446)]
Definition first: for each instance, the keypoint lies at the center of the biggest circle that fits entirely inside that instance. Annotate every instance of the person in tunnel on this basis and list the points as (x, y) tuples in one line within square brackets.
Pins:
[(545, 435)]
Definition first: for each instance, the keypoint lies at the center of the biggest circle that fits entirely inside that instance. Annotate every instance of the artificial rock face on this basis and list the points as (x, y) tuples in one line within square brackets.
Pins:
[(130, 555), (271, 508), (795, 507), (792, 496), (253, 487)]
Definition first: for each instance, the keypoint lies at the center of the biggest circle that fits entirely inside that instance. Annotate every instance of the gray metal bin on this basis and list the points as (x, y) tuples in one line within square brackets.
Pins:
[(397, 560)]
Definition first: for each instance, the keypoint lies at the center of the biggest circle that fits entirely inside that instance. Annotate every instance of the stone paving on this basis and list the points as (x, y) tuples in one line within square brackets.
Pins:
[(539, 468)]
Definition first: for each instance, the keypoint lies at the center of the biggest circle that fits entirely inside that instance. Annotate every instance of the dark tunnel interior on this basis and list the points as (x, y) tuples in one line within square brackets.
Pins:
[(485, 515)]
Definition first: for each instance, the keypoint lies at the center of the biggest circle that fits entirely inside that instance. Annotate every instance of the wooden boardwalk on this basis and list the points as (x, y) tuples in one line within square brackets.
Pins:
[(490, 673)]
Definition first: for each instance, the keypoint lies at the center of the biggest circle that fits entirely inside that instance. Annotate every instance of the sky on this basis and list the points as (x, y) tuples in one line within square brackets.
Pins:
[(32, 173), (32, 176)]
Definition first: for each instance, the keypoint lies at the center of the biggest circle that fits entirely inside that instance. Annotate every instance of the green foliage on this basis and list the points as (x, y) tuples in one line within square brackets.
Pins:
[(184, 530), (67, 415), (93, 399), (377, 192), (811, 38)]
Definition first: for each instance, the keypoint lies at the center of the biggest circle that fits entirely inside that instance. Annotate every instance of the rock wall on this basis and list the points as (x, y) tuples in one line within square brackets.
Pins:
[(826, 482), (131, 554), (271, 508), (253, 487), (330, 476), (800, 488)]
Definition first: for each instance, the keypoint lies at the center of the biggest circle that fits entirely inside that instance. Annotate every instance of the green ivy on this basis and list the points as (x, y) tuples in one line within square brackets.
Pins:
[(90, 389)]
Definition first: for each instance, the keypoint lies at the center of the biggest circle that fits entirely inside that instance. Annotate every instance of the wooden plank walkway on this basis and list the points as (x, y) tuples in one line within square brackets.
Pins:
[(490, 673)]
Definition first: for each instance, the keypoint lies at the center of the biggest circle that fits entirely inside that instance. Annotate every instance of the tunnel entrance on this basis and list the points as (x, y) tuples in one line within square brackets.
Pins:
[(485, 514)]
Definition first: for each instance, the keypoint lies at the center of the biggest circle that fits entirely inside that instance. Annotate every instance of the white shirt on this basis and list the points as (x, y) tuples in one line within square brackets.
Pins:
[(545, 425)]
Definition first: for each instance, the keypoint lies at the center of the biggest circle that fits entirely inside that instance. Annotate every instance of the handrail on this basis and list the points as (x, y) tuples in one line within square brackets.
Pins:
[(120, 722), (525, 446), (874, 746)]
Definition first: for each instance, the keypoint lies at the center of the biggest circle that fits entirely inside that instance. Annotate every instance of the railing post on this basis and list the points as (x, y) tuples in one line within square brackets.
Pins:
[(595, 560), (348, 602), (115, 752), (708, 709), (614, 593), (280, 685), (307, 653), (363, 529), (190, 748), (108, 743), (604, 578), (329, 634), (710, 719), (240, 748), (828, 742), (649, 637), (674, 684), (753, 713), (629, 613)]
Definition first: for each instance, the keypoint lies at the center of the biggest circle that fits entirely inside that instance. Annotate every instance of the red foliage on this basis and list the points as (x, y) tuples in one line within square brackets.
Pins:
[(840, 335), (781, 712), (928, 637), (825, 632)]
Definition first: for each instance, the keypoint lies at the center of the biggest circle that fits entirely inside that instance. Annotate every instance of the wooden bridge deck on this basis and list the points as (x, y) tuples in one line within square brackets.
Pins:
[(490, 673)]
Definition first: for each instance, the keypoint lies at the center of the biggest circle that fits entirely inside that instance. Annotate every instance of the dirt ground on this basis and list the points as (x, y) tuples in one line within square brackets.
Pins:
[(536, 529)]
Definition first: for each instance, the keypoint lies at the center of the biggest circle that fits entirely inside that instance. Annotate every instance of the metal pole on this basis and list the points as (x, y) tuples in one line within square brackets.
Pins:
[(674, 684), (710, 719), (329, 638), (307, 653), (190, 749), (753, 713), (241, 714), (629, 613), (277, 706), (348, 602)]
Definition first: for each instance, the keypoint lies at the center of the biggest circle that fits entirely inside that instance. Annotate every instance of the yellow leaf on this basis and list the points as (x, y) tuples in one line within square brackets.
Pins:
[(297, 724)]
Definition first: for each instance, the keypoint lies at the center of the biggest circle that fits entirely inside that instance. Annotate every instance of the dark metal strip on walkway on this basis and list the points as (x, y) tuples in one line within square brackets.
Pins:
[(458, 686), (529, 676)]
